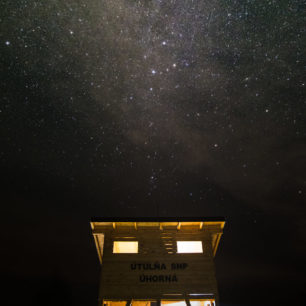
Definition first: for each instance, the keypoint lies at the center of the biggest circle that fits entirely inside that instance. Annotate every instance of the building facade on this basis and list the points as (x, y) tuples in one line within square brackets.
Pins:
[(147, 262)]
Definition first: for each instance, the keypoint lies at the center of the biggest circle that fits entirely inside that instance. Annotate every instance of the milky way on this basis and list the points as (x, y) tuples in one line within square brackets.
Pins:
[(156, 108), (176, 97)]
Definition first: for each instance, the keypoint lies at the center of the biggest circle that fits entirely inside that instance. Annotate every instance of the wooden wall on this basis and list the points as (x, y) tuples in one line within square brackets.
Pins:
[(157, 271)]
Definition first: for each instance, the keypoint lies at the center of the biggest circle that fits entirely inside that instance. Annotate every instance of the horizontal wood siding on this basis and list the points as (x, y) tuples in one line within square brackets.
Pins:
[(121, 280)]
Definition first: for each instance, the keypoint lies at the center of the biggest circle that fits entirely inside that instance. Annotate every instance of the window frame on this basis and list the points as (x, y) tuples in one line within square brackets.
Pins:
[(198, 251), (125, 242)]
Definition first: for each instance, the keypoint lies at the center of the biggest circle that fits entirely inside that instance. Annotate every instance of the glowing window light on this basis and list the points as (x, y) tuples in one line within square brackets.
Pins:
[(189, 247), (173, 303), (125, 247), (201, 303)]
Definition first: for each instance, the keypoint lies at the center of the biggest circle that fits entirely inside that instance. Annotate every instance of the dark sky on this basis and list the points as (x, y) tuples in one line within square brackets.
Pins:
[(152, 108)]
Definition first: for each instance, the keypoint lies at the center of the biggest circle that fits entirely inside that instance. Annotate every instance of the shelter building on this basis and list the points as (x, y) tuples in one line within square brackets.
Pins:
[(153, 262)]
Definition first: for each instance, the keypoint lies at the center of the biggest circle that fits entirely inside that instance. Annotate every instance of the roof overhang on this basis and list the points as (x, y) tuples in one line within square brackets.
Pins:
[(213, 224)]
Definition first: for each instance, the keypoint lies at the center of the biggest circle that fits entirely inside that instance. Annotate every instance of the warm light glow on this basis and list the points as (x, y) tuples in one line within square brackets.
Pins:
[(189, 247), (201, 303), (141, 303), (173, 303), (210, 302), (125, 247), (115, 303)]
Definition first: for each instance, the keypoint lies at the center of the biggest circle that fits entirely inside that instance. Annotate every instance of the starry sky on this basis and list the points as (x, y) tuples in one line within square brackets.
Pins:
[(153, 108)]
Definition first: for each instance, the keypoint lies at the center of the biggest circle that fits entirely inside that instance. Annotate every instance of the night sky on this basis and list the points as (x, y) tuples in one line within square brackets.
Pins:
[(152, 108)]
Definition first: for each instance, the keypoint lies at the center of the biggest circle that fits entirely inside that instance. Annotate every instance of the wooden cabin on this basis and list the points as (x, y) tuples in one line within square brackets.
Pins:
[(152, 262)]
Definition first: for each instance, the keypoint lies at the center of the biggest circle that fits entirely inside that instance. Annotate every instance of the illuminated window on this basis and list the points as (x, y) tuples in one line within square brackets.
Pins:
[(115, 303), (202, 303), (144, 303), (125, 247), (173, 303), (189, 247)]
